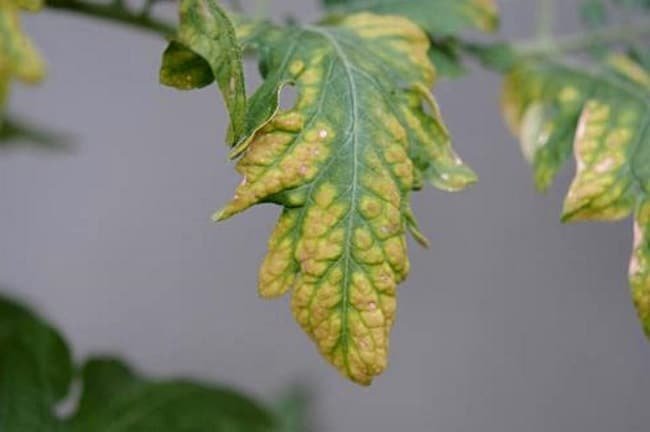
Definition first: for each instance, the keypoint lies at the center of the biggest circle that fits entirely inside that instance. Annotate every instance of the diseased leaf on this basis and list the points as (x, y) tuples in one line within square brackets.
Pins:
[(640, 263), (183, 69), (207, 32), (363, 133), (18, 58), (441, 19), (438, 17), (604, 116), (629, 69)]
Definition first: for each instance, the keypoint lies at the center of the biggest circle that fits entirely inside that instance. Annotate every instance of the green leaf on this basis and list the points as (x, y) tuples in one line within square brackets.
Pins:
[(604, 116), (35, 370), (438, 17), (206, 48), (115, 399), (183, 69), (446, 57), (36, 373), (342, 161), (294, 410), (498, 56)]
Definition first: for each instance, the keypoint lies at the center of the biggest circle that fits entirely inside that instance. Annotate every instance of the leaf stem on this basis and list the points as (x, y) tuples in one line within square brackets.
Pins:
[(582, 41), (115, 12)]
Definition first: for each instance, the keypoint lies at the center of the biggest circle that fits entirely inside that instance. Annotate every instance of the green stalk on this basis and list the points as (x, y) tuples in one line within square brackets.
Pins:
[(114, 12)]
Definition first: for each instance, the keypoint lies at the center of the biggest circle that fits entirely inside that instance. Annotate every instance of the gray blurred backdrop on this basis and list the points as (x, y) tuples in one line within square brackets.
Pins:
[(511, 322)]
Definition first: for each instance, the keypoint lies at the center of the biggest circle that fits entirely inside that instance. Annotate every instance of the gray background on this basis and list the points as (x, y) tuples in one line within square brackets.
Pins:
[(511, 322)]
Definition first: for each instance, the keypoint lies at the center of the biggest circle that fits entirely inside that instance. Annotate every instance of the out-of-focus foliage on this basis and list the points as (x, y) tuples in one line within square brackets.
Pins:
[(37, 373), (602, 114), (19, 60), (597, 14), (16, 133)]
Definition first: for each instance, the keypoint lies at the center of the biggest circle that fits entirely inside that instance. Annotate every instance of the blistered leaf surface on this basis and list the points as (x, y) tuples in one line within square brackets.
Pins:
[(602, 115), (342, 161)]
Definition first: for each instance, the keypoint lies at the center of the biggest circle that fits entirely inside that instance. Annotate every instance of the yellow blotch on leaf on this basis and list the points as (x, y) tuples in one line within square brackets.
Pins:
[(640, 265)]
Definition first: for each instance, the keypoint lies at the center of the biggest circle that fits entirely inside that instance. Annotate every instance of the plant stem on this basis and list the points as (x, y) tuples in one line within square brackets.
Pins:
[(115, 13), (581, 41)]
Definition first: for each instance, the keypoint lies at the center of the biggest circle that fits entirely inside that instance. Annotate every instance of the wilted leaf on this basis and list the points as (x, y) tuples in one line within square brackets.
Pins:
[(438, 17), (342, 163), (183, 69), (205, 49), (605, 117)]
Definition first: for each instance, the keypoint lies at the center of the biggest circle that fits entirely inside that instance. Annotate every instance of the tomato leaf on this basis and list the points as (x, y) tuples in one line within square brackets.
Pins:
[(206, 49), (115, 398), (18, 57), (603, 115), (363, 133), (35, 370), (438, 17), (36, 373), (441, 19)]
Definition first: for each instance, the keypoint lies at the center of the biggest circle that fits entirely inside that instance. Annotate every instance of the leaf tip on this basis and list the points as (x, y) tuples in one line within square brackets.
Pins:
[(220, 215)]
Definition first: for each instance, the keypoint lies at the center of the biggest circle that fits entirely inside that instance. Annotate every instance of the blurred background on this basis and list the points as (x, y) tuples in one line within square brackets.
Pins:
[(510, 322)]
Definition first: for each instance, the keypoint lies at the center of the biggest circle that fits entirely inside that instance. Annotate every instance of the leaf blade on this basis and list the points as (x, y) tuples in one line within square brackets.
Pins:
[(441, 17), (342, 163), (607, 114), (207, 31), (115, 398)]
